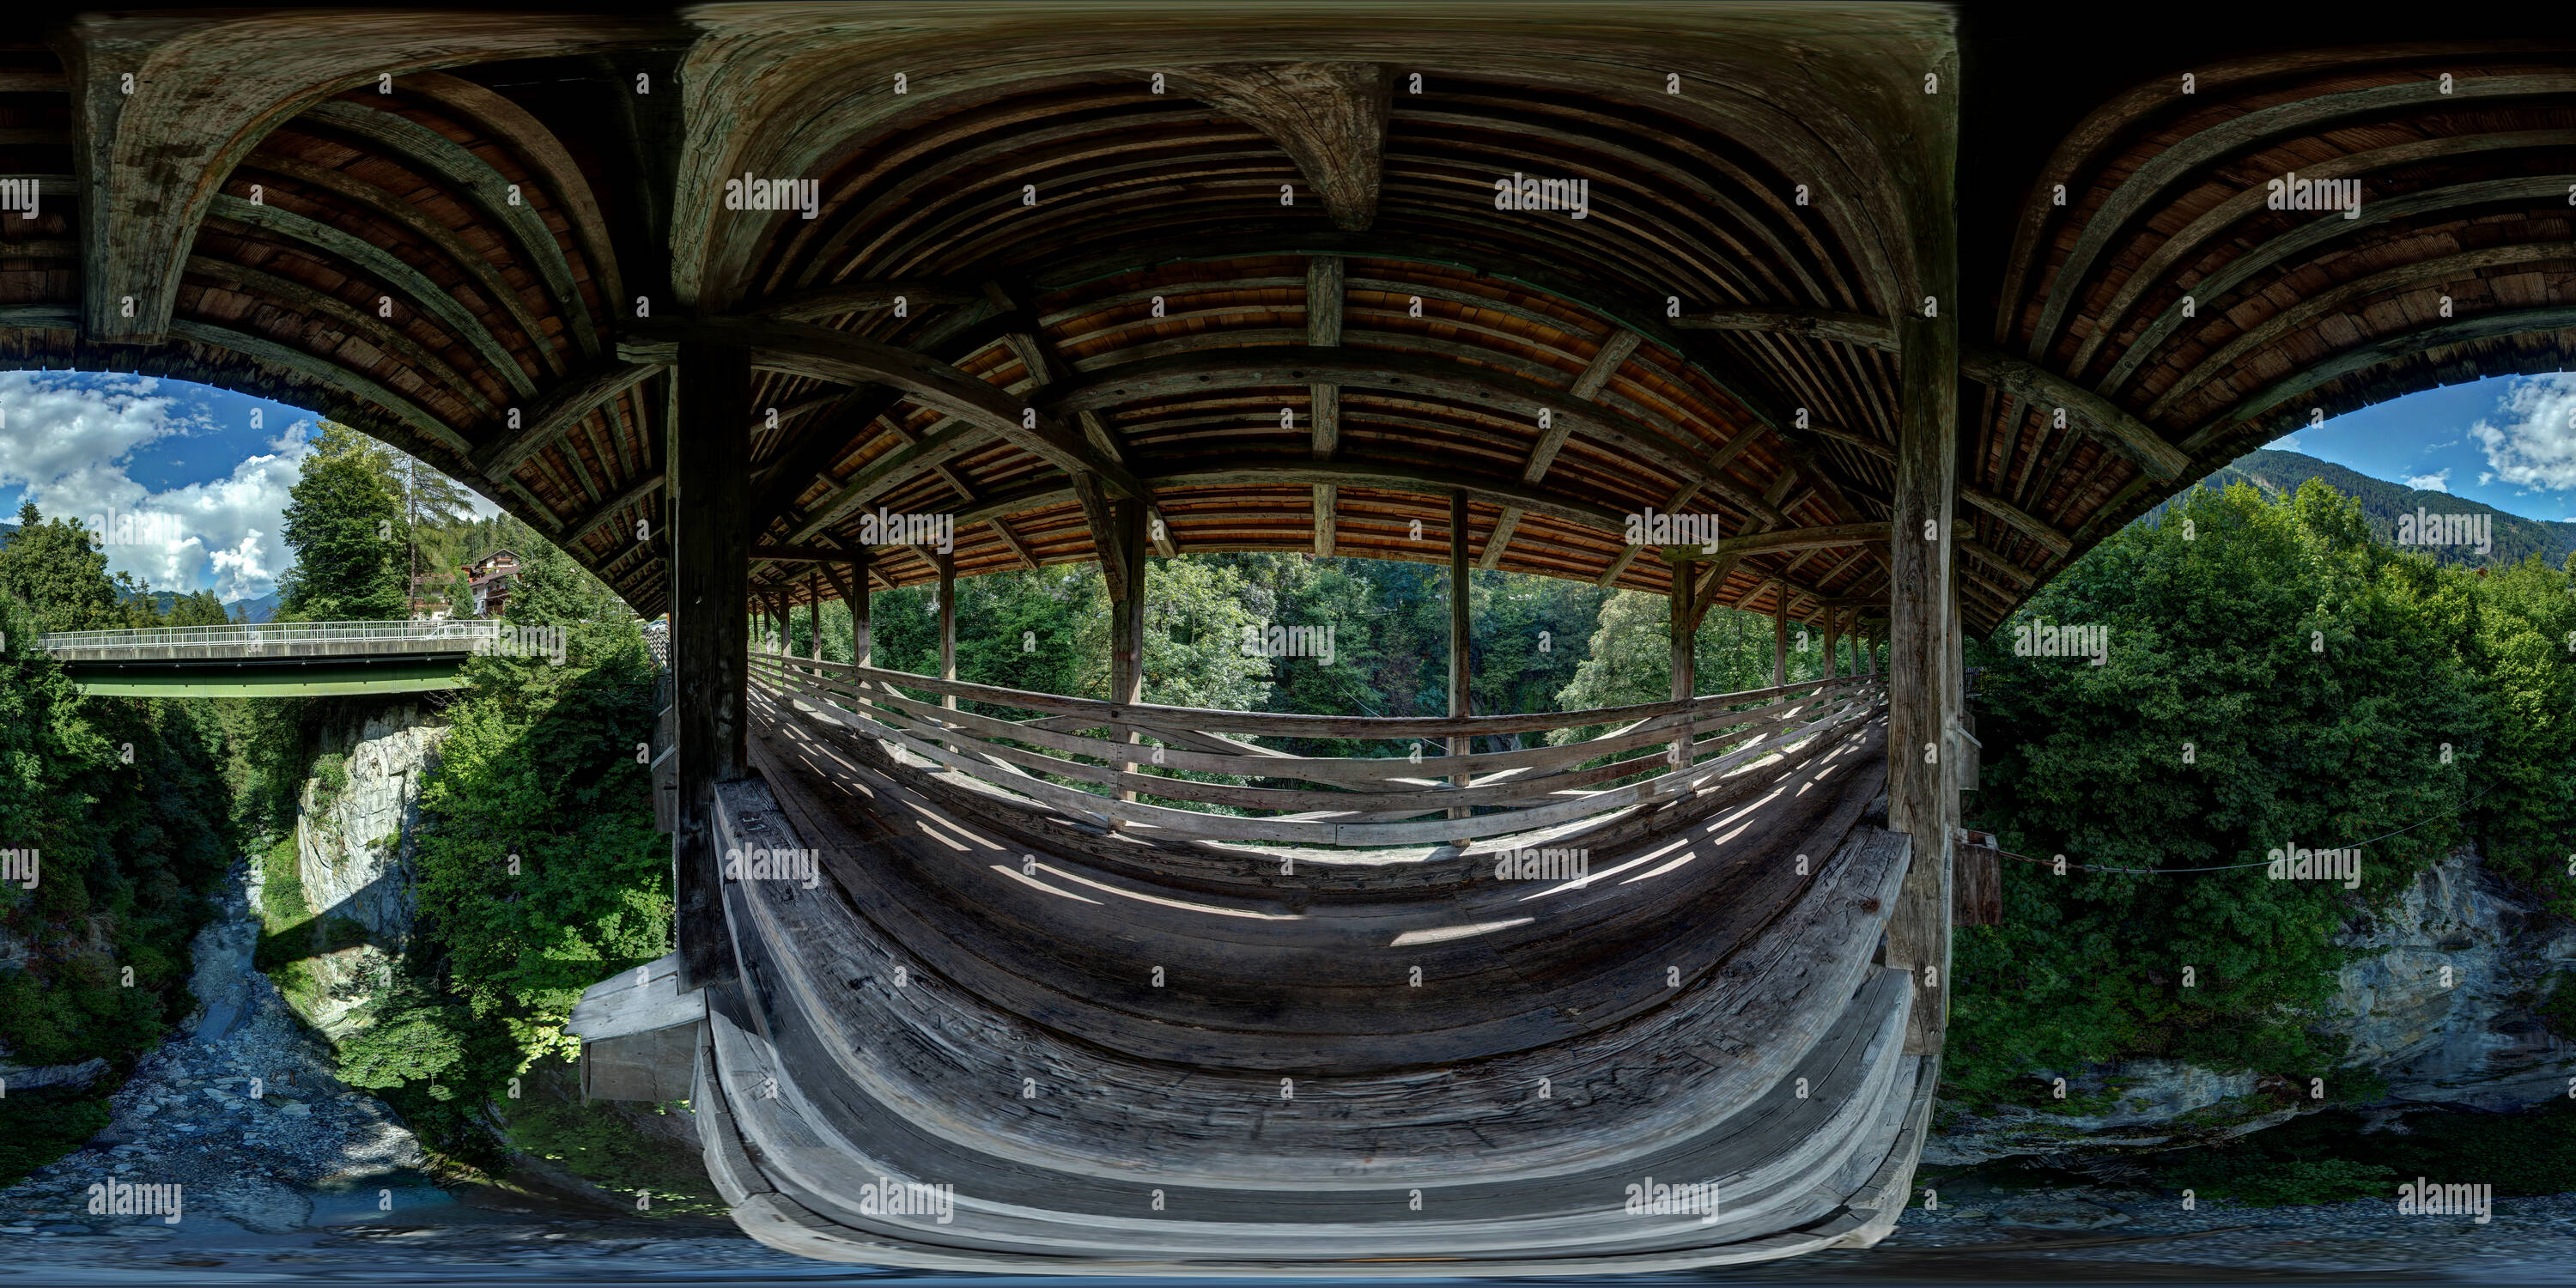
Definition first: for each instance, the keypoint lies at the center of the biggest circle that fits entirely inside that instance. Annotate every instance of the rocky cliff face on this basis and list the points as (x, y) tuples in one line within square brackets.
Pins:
[(354, 843), (2468, 1038)]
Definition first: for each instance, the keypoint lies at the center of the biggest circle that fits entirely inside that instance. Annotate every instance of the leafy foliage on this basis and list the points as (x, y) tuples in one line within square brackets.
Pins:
[(2274, 678), (44, 1125), (409, 1034), (539, 870), (124, 803), (340, 521), (2512, 540)]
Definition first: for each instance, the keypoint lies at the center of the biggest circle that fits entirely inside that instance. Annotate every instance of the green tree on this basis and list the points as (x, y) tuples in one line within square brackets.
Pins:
[(123, 803), (198, 609), (341, 521), (551, 589), (2273, 679), (57, 570)]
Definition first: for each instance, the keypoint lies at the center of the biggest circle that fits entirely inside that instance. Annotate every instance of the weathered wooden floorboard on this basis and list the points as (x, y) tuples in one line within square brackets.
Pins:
[(1294, 968), (1500, 1093)]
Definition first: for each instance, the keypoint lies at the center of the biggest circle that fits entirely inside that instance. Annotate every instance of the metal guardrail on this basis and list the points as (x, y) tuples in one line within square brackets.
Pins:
[(263, 634)]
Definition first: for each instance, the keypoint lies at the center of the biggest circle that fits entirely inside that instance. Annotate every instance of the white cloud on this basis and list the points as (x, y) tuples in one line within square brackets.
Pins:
[(68, 439), (57, 426), (2286, 443), (2429, 482), (231, 524), (2485, 477), (2535, 445)]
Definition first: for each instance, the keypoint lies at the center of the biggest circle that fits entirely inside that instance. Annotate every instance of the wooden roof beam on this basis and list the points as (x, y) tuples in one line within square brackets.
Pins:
[(1823, 324), (1329, 117), (838, 356), (1614, 351), (2028, 524), (839, 298), (1784, 539), (557, 410), (2024, 380), (1506, 396)]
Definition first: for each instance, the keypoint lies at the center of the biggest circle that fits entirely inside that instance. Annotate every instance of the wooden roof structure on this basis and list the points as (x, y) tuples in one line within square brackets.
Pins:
[(1056, 255)]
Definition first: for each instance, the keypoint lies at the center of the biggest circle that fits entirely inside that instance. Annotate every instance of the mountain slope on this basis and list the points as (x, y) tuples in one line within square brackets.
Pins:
[(2515, 537)]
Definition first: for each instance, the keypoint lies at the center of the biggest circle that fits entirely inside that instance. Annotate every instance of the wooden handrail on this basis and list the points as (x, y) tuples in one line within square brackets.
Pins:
[(1359, 801), (1355, 771), (1303, 726), (957, 731)]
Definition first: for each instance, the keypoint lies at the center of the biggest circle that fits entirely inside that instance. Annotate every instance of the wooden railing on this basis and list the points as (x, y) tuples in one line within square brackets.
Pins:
[(1058, 761)]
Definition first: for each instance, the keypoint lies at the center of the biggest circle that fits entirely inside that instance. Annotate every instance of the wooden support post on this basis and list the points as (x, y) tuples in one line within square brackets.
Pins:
[(814, 590), (1681, 629), (1833, 665), (1922, 673), (1460, 595), (1779, 633), (1127, 620), (709, 454), (862, 640), (946, 562)]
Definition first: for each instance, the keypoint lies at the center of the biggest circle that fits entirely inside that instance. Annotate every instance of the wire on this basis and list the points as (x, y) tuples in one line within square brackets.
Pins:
[(2258, 863)]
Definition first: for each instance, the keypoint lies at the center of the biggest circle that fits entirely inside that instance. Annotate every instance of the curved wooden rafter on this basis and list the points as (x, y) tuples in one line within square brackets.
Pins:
[(376, 201), (2297, 117), (398, 277), (208, 87), (2288, 311), (411, 141)]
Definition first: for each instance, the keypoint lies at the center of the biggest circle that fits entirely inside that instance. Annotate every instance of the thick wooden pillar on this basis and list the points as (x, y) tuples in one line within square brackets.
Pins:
[(1833, 665), (1779, 634), (1922, 671), (709, 457), (1460, 596), (1681, 629), (814, 589)]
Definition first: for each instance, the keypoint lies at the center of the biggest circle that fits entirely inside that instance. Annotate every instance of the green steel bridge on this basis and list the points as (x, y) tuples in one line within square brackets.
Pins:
[(275, 659)]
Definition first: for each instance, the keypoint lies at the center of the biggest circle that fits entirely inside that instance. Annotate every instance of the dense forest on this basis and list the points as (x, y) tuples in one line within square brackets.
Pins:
[(2513, 538), (2275, 676)]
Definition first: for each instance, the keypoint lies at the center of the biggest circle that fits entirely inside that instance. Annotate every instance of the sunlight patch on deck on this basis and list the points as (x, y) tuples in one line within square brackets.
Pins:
[(1035, 884), (1185, 906), (1444, 934)]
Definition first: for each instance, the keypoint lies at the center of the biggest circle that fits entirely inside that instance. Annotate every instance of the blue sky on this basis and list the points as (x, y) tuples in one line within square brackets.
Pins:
[(211, 468), (206, 469), (2508, 441)]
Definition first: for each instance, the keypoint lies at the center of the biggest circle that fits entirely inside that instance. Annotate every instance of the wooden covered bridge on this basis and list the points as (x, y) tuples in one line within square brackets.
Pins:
[(725, 299)]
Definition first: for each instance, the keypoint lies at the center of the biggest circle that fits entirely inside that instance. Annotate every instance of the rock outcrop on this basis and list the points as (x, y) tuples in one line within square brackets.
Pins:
[(354, 841), (2468, 1039)]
